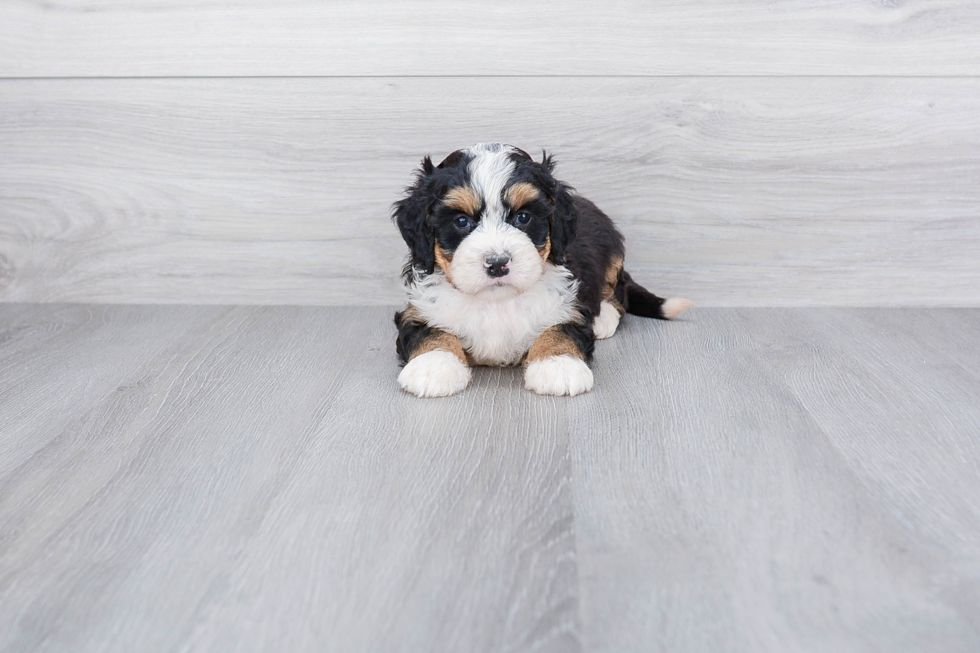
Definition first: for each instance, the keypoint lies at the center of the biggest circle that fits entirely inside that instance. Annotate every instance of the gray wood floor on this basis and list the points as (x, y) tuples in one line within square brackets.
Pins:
[(251, 479)]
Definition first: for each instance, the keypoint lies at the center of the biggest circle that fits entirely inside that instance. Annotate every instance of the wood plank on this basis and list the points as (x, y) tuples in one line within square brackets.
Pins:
[(267, 486), (750, 479), (97, 38), (61, 362), (941, 337), (731, 192), (757, 480), (906, 420), (917, 412)]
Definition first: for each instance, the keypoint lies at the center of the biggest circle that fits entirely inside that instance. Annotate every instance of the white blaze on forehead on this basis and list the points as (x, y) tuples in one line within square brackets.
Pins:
[(490, 170)]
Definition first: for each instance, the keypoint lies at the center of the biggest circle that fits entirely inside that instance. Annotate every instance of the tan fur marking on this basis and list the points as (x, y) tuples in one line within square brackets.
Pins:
[(612, 278), (615, 304), (437, 338), (545, 251), (521, 193), (411, 314), (612, 272), (552, 342), (443, 262), (441, 341), (463, 198)]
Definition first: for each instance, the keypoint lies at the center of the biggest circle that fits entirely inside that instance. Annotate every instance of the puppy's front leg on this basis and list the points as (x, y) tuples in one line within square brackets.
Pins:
[(435, 362), (557, 363)]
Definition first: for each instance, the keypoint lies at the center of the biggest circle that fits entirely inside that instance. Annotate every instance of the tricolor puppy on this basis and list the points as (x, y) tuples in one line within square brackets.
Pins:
[(508, 266)]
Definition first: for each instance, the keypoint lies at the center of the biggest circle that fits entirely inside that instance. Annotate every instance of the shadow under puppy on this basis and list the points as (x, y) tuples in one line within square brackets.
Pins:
[(508, 266)]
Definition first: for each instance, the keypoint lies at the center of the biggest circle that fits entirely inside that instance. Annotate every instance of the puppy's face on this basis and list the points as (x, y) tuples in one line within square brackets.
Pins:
[(492, 223), (491, 216)]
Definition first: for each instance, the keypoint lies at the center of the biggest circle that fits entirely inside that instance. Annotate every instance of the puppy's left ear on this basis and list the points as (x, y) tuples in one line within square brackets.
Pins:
[(410, 215), (565, 217)]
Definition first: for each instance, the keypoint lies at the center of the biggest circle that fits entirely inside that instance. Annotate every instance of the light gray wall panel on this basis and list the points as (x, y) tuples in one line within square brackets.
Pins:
[(306, 37), (749, 191)]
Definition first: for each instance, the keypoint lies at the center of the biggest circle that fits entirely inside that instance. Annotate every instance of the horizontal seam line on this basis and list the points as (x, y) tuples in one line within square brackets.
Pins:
[(393, 77)]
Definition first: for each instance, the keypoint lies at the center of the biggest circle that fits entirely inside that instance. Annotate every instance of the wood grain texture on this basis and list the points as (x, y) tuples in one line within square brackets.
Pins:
[(252, 479), (98, 38), (732, 192), (955, 341), (64, 361), (778, 480), (259, 483)]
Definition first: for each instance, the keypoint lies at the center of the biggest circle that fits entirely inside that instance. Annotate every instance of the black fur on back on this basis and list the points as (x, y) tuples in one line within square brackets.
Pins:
[(597, 244)]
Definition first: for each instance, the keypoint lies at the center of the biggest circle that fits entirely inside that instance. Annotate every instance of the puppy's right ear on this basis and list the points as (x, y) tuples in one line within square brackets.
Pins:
[(410, 215)]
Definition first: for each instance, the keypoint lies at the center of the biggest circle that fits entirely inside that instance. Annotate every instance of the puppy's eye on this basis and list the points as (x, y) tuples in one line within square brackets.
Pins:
[(462, 222), (522, 218)]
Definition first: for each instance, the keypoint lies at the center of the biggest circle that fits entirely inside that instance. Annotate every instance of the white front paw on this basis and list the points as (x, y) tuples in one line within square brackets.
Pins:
[(434, 374), (558, 375)]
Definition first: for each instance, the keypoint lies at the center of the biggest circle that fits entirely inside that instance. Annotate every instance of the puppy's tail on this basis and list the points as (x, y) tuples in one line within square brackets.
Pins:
[(639, 301)]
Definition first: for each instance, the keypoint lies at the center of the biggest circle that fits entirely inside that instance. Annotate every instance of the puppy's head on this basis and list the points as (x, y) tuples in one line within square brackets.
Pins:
[(489, 216)]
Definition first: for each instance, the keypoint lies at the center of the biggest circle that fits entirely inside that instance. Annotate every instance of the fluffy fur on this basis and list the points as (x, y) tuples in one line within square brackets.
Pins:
[(558, 375), (498, 326), (434, 374), (606, 322), (507, 266)]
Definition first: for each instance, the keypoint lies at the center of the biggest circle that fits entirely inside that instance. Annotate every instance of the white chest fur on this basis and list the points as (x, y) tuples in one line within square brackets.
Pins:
[(496, 327)]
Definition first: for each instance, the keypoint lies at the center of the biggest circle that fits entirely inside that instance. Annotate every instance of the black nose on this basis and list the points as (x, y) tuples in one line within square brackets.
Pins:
[(496, 265)]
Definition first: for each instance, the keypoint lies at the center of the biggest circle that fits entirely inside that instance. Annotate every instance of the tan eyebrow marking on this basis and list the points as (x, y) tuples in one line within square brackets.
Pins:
[(521, 193), (463, 198)]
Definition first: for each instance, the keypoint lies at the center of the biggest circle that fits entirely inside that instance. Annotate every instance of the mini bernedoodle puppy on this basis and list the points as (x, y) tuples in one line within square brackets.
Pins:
[(509, 266)]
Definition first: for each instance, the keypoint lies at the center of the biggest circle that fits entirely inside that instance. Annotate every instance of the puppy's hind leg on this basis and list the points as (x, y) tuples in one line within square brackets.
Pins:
[(607, 321), (610, 309)]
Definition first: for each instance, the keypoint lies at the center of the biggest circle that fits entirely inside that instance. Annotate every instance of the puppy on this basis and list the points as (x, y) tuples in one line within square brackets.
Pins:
[(508, 266)]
